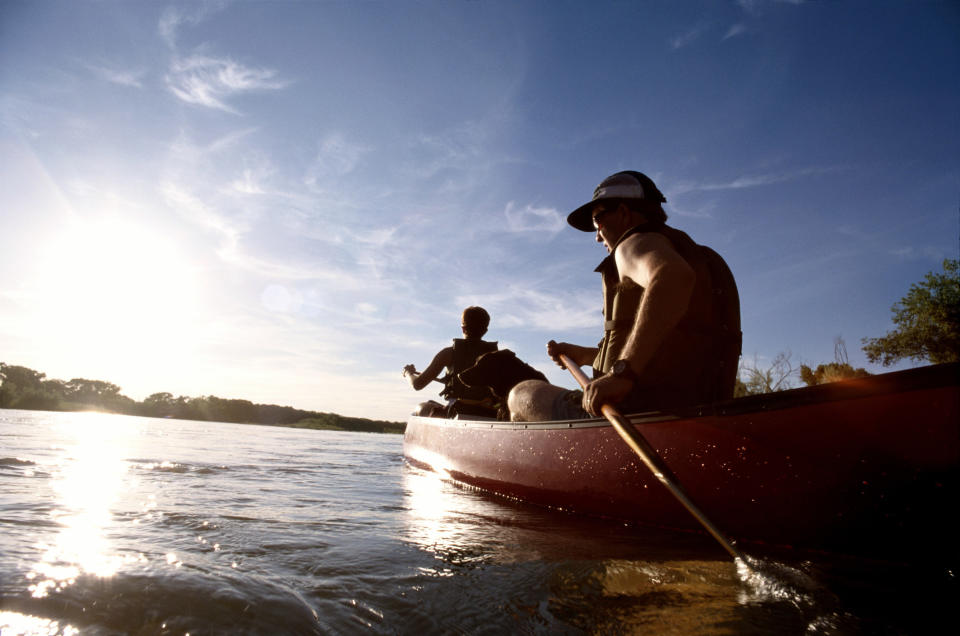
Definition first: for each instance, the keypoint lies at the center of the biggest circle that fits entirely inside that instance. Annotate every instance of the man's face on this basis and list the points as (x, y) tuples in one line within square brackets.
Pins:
[(605, 221)]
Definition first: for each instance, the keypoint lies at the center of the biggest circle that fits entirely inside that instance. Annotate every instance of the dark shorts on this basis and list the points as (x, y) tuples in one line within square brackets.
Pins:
[(569, 406)]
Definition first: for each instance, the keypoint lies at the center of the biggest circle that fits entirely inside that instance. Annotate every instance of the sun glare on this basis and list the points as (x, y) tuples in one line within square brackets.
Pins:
[(89, 476), (117, 293)]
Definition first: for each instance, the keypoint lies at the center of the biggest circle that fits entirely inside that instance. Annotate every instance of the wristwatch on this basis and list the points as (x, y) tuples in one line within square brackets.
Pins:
[(622, 369)]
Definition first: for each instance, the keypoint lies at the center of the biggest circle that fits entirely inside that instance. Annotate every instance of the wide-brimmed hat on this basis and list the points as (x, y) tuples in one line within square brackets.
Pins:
[(623, 186)]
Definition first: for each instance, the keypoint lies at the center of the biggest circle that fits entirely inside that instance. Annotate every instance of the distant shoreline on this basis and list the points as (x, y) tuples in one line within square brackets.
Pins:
[(386, 427), (25, 389)]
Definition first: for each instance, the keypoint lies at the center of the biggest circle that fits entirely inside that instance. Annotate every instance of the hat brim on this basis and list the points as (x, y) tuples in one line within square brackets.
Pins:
[(582, 217)]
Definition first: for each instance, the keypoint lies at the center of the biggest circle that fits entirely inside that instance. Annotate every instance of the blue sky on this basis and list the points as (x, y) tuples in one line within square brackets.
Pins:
[(288, 201)]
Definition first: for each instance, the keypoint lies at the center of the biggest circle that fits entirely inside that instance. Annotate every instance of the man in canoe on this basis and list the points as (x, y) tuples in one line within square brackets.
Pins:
[(671, 315), (459, 357)]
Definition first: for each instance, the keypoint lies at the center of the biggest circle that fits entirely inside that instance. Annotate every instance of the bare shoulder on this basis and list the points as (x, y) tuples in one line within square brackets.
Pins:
[(646, 255), (444, 356), (644, 242)]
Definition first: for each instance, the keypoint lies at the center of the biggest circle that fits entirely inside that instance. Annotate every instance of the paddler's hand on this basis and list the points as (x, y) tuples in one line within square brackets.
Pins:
[(607, 389), (556, 349), (408, 370)]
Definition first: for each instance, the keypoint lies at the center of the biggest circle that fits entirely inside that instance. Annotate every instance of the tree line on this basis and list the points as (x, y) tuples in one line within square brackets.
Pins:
[(24, 388)]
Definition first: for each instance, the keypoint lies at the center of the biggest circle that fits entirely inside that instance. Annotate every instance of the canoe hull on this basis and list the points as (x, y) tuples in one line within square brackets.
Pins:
[(851, 474)]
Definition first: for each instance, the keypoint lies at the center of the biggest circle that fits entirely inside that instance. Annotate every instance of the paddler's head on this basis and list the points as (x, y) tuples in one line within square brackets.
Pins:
[(622, 201), (474, 322)]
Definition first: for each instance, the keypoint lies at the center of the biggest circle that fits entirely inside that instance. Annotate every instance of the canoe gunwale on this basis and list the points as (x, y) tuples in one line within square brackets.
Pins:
[(640, 418), (920, 378)]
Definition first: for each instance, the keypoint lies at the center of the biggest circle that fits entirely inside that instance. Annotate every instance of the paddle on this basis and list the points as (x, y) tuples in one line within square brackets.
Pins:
[(649, 456)]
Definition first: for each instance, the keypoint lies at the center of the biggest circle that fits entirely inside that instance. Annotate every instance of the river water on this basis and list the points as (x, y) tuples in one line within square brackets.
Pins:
[(122, 525)]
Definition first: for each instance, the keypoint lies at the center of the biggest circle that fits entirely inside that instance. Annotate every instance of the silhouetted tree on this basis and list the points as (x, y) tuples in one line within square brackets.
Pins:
[(927, 322), (25, 388), (755, 380), (97, 393), (158, 405), (21, 376), (839, 369)]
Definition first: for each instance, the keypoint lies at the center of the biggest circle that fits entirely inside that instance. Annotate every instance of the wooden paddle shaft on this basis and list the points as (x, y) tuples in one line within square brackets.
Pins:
[(648, 455)]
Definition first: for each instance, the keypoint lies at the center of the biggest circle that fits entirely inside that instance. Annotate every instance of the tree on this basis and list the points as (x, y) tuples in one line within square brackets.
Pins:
[(839, 369), (23, 377), (159, 405), (96, 392), (927, 322), (777, 377), (23, 388)]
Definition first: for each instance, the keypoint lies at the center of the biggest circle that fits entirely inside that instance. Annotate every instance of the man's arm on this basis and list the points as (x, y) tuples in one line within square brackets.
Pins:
[(418, 380), (649, 260), (578, 353)]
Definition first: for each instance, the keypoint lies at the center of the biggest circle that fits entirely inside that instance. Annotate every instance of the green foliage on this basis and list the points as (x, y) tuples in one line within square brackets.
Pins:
[(927, 322), (158, 405), (781, 374), (740, 389), (23, 388), (830, 372), (840, 369), (21, 376), (97, 394)]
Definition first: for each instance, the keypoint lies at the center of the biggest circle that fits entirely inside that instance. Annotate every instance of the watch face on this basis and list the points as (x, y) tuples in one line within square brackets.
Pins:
[(620, 367)]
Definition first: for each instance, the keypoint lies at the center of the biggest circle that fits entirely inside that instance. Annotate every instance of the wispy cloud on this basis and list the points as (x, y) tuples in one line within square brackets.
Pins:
[(170, 21), (379, 238), (753, 6), (701, 212), (912, 253), (687, 37), (533, 219), (123, 77), (173, 18), (229, 140), (209, 82), (753, 181), (256, 176), (735, 30), (232, 227), (247, 183), (366, 308), (523, 306), (337, 157), (195, 210), (459, 155)]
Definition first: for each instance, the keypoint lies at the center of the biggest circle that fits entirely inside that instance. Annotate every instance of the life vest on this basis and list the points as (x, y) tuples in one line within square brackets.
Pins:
[(697, 361), (465, 354)]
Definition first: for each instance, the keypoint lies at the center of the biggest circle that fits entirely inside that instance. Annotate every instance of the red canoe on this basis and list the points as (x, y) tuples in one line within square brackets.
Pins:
[(865, 466)]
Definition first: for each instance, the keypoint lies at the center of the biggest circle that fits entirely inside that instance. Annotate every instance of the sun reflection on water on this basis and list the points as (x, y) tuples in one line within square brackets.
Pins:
[(15, 624), (88, 477)]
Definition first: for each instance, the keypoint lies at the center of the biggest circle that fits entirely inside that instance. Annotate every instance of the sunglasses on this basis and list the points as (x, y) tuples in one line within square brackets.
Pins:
[(598, 212)]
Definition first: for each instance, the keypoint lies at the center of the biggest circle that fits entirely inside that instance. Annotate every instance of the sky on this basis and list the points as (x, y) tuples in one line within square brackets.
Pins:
[(287, 202)]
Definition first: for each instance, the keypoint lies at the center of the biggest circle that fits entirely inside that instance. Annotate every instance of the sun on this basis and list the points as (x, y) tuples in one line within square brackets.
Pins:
[(117, 293)]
